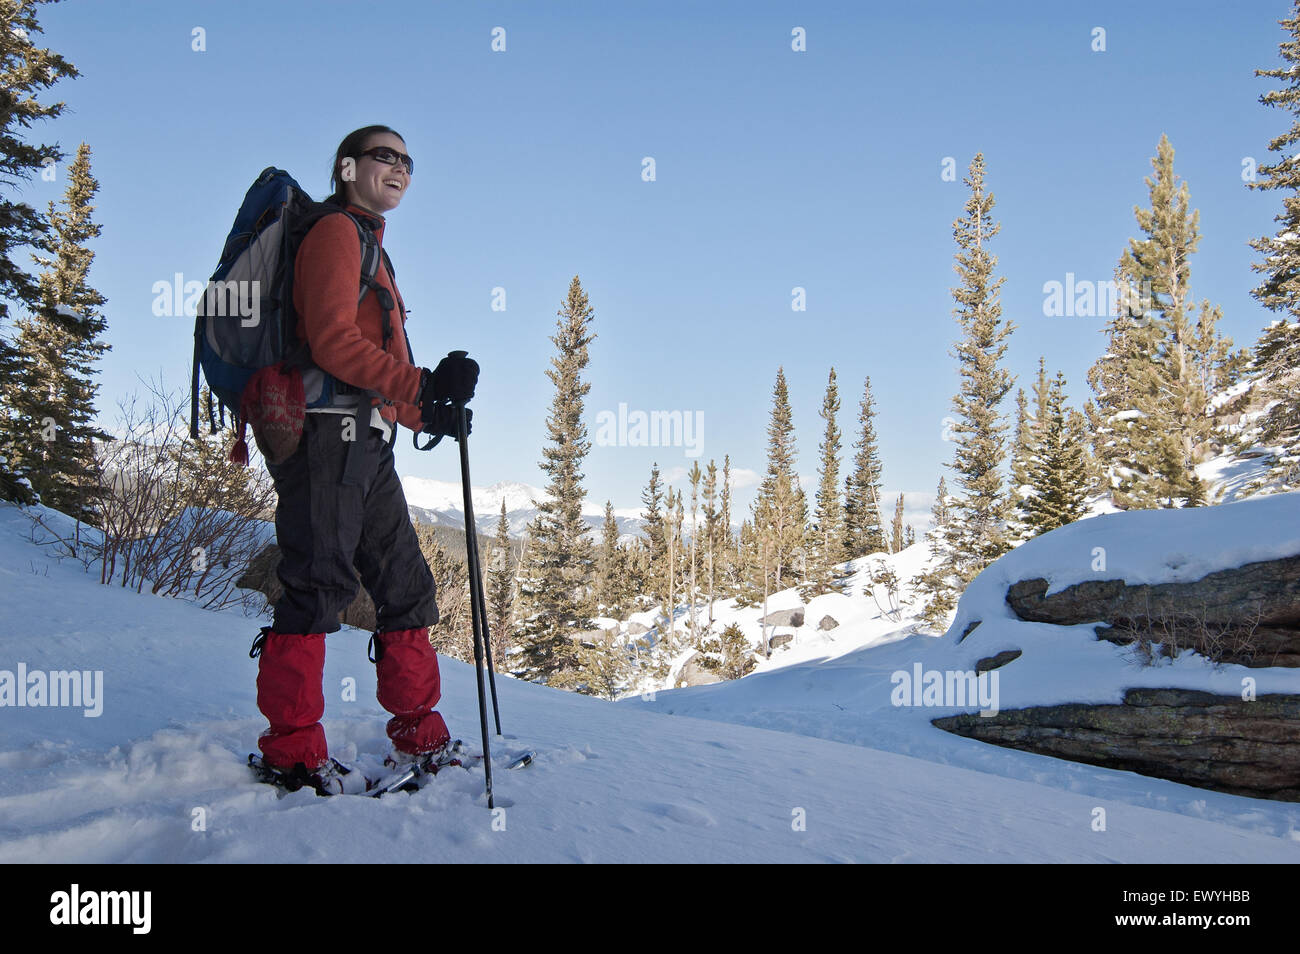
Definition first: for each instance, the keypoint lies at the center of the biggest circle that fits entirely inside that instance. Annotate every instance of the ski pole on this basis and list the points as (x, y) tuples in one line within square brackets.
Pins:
[(480, 604), (477, 622), (479, 601)]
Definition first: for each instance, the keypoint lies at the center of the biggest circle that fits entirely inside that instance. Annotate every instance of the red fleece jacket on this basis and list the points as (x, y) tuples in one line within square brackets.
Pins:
[(347, 340)]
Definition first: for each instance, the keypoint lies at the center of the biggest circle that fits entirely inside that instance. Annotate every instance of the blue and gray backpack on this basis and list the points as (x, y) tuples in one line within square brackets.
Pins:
[(246, 320)]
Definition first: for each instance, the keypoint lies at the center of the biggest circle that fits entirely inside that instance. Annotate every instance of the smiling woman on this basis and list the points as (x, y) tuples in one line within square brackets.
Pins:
[(371, 169), (341, 511)]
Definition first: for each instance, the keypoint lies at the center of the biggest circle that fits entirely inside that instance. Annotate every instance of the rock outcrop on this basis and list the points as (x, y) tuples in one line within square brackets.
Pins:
[(1248, 614), (261, 576), (786, 617), (1223, 743), (694, 674)]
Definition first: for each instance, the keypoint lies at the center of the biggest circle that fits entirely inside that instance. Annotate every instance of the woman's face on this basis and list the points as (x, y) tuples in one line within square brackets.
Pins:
[(378, 186)]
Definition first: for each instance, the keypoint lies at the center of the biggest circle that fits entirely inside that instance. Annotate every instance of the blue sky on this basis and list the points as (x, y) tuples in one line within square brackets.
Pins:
[(774, 169)]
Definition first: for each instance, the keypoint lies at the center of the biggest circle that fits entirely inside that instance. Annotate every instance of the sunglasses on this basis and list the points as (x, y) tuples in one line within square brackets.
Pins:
[(390, 157)]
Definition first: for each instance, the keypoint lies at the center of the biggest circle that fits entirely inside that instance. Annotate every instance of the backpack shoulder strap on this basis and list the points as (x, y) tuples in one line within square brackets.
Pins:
[(371, 254)]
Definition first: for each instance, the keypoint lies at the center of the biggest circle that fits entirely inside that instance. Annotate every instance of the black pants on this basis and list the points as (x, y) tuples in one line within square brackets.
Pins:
[(325, 528)]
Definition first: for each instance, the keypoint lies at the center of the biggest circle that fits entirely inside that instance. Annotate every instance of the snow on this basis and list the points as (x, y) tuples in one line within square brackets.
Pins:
[(806, 760)]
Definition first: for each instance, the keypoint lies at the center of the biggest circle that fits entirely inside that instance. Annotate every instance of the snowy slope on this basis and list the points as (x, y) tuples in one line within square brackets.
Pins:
[(614, 782), (842, 688)]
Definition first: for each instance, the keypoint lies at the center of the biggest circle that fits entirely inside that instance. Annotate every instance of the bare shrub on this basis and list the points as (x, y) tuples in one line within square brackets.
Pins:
[(1164, 634), (884, 578), (174, 515)]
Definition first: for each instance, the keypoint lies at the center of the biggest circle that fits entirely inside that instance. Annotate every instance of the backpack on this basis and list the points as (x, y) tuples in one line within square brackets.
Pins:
[(245, 338)]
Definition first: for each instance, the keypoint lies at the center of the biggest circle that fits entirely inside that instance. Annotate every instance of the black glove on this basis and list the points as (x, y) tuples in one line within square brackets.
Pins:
[(452, 381), (442, 421)]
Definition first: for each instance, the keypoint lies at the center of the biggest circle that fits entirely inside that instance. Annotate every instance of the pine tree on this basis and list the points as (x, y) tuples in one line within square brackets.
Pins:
[(1170, 406), (25, 70), (896, 528), (557, 581), (780, 509), (453, 634), (1277, 353), (941, 513), (749, 567), (612, 591), (1057, 471), (1113, 379), (678, 514), (652, 521), (826, 536), (1021, 447), (60, 342), (712, 536), (501, 589), (978, 532), (1277, 357), (605, 665), (729, 653), (1168, 357), (937, 585), (694, 476), (728, 552), (863, 521), (1026, 449)]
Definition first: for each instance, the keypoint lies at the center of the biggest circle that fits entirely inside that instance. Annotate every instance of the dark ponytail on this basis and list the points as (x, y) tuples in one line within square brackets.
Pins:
[(351, 147)]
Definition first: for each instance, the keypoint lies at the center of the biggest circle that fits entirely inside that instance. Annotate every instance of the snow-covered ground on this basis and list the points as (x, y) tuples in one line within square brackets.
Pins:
[(806, 760)]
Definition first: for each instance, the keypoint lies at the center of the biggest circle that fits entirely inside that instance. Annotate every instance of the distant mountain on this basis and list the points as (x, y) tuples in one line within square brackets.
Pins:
[(441, 503)]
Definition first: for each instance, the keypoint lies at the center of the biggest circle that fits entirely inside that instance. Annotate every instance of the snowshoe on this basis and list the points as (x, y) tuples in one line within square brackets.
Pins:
[(332, 778)]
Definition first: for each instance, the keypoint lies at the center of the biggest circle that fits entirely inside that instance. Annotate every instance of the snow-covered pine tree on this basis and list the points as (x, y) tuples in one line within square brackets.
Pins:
[(780, 509), (27, 70), (863, 521), (1276, 366), (60, 341), (826, 536), (1057, 470), (978, 532), (556, 582), (1277, 354)]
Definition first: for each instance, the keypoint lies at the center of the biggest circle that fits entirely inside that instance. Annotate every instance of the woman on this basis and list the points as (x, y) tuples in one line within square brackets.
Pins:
[(340, 502)]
